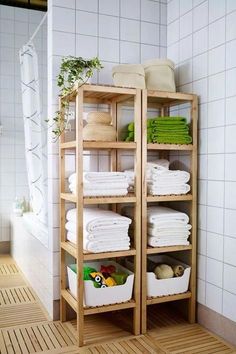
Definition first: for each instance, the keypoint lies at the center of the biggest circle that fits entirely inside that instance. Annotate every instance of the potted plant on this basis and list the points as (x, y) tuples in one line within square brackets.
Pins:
[(72, 70)]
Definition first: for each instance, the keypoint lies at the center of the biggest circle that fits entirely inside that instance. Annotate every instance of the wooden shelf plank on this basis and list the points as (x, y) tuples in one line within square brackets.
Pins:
[(101, 89), (69, 197), (161, 299), (188, 147), (108, 308), (69, 299), (98, 145), (99, 309), (94, 256), (169, 198), (170, 95), (68, 145), (130, 198), (154, 250), (70, 248)]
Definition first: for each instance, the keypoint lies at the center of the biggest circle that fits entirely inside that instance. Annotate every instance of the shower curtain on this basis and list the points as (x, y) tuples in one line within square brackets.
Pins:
[(33, 127)]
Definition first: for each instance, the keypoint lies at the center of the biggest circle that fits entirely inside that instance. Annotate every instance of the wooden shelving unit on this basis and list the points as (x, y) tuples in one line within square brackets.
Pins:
[(164, 101), (113, 97)]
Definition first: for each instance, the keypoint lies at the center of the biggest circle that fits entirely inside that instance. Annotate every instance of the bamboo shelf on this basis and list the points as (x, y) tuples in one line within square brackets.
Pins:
[(113, 97), (163, 101)]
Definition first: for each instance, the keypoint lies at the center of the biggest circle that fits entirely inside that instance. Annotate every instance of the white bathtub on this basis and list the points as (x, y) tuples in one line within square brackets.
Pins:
[(39, 264), (36, 228)]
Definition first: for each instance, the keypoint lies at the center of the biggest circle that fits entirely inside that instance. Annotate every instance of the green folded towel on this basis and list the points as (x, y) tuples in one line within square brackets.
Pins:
[(166, 129), (131, 127), (169, 120), (130, 136), (171, 139)]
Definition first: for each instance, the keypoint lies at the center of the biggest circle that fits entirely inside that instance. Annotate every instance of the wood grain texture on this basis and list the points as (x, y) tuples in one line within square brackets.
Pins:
[(17, 295)]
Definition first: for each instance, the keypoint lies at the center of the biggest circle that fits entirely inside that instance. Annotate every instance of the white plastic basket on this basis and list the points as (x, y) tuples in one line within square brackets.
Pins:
[(102, 296), (162, 287)]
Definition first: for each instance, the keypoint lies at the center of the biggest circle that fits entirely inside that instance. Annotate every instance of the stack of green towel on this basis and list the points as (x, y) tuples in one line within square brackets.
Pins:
[(164, 130)]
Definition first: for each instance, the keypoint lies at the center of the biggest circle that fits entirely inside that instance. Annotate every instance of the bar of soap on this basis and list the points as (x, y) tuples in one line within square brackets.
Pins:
[(120, 278)]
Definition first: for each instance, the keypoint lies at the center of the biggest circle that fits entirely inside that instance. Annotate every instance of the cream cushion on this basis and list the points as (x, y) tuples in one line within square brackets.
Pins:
[(159, 75), (129, 75)]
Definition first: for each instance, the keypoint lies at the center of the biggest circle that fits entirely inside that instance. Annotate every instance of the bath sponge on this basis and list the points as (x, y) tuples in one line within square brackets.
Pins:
[(178, 270), (163, 271)]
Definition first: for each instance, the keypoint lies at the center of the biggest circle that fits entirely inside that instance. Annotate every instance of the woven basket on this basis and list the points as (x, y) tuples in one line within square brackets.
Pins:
[(99, 118)]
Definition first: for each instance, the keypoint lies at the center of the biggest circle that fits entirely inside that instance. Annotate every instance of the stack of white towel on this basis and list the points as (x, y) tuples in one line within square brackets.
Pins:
[(161, 180), (103, 230), (99, 184), (167, 227)]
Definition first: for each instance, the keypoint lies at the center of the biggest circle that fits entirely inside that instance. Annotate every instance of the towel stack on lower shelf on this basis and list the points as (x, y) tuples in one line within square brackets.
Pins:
[(101, 184), (103, 230), (167, 227)]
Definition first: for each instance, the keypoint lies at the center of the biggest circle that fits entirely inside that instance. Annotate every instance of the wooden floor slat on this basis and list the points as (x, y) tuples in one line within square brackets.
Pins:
[(36, 338), (8, 269), (21, 314), (25, 328), (16, 296)]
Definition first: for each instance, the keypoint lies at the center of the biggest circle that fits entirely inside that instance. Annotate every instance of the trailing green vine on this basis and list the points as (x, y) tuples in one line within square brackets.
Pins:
[(72, 70)]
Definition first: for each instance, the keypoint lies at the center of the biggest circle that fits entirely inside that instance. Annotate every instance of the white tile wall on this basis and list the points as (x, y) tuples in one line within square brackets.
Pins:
[(16, 25), (207, 52)]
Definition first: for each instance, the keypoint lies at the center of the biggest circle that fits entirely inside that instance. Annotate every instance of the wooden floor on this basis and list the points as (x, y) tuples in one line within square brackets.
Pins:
[(25, 327)]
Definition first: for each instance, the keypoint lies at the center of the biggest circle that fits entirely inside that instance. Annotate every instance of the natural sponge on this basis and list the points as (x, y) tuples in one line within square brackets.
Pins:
[(164, 271), (178, 270)]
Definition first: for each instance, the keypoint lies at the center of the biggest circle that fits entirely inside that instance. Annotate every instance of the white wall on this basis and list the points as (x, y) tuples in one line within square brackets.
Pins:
[(117, 31), (16, 26), (201, 39)]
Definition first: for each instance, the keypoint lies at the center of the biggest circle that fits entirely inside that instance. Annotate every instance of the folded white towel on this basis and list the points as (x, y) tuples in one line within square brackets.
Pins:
[(100, 177), (101, 192), (168, 233), (167, 177), (95, 219), (154, 242), (158, 214), (171, 226), (101, 186), (113, 232), (97, 247), (168, 189)]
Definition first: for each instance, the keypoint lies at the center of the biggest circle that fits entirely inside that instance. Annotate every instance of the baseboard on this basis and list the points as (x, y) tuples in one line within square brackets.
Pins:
[(217, 323), (5, 247)]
